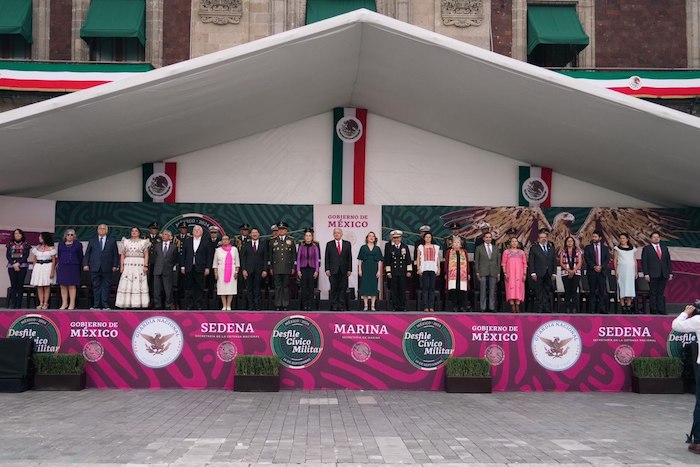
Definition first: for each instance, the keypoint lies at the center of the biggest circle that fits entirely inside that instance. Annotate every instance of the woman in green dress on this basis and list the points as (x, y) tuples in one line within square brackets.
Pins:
[(369, 270)]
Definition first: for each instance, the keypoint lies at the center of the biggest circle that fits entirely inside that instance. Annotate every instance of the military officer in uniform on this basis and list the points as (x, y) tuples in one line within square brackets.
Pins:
[(155, 239), (505, 240), (398, 264), (179, 241), (485, 228), (455, 228), (283, 257), (239, 241)]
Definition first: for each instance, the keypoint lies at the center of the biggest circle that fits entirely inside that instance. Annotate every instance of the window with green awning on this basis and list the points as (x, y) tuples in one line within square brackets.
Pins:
[(555, 35), (115, 19), (16, 18), (318, 10)]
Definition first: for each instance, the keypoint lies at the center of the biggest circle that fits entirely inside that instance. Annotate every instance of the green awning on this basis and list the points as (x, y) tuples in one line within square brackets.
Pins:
[(554, 25), (318, 10), (16, 18), (116, 18)]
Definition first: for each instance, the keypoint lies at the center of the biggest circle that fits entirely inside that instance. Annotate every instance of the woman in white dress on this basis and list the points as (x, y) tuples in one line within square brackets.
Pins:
[(132, 291), (625, 271), (225, 266), (44, 269)]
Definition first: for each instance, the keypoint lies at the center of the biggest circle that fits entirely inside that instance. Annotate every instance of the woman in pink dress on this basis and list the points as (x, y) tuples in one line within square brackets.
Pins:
[(514, 262)]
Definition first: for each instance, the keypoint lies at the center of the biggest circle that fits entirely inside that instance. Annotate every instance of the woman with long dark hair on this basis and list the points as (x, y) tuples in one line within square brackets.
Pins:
[(571, 262), (44, 269), (17, 255)]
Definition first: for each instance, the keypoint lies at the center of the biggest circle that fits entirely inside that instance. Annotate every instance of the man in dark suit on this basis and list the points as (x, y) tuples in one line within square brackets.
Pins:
[(656, 265), (101, 259), (338, 264), (164, 266), (195, 263), (596, 255), (254, 266), (487, 264), (542, 264), (154, 237)]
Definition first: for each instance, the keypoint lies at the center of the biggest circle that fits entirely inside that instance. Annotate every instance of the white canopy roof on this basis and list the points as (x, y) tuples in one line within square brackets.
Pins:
[(360, 59)]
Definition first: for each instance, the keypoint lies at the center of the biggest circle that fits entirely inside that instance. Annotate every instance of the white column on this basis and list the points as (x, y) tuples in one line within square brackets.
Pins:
[(41, 13), (80, 51), (154, 32), (692, 15)]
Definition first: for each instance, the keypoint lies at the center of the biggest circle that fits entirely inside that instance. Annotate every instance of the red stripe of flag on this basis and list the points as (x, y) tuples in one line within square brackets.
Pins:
[(359, 173), (649, 91), (546, 176), (52, 85), (171, 171)]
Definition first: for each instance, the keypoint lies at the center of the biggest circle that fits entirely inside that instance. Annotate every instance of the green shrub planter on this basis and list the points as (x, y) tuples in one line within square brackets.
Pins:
[(59, 372), (468, 375), (257, 373), (657, 375)]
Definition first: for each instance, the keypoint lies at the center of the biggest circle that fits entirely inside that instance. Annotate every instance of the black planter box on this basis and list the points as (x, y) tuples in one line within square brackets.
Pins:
[(59, 382), (468, 384), (256, 383), (657, 385)]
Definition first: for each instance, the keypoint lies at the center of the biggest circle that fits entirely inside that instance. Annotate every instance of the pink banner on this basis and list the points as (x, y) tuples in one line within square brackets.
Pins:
[(196, 350)]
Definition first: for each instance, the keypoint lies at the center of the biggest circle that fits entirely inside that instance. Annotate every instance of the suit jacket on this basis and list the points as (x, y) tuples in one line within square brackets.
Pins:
[(196, 260), (163, 263), (654, 267), (542, 263), (589, 257), (338, 262), (254, 262), (101, 260), (485, 266)]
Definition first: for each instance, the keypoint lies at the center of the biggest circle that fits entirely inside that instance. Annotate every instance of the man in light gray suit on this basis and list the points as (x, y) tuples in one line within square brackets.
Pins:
[(488, 271), (164, 264)]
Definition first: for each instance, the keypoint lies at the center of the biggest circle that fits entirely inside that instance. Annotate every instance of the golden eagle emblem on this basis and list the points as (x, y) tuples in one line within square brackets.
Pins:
[(157, 344), (556, 346)]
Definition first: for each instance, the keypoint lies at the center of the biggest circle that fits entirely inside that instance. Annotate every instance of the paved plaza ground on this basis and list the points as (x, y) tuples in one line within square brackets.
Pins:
[(343, 428)]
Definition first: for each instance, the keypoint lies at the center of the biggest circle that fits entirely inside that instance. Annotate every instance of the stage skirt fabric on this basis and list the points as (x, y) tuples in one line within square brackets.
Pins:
[(133, 283)]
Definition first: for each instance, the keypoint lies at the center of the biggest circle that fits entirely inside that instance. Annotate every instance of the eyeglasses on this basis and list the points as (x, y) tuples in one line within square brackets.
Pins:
[(69, 235)]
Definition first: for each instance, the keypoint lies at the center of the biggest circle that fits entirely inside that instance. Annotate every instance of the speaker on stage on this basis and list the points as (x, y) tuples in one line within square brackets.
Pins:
[(16, 369)]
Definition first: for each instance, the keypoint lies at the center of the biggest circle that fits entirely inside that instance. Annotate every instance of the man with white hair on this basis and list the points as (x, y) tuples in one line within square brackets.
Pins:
[(338, 263), (195, 263), (164, 267)]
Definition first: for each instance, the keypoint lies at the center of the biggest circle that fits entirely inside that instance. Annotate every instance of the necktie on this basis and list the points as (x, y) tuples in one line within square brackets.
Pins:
[(338, 245), (255, 247), (658, 250), (165, 248), (488, 250), (102, 243), (597, 254)]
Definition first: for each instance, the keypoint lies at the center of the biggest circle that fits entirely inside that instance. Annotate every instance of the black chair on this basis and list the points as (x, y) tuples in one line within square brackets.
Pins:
[(612, 294), (28, 291), (84, 290), (584, 294), (641, 287)]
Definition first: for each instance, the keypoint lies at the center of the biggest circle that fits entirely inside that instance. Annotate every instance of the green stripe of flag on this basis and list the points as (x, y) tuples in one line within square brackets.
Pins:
[(523, 174), (337, 177), (76, 67)]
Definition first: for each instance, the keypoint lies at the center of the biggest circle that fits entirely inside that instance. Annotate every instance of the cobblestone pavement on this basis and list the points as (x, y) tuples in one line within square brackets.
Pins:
[(342, 428)]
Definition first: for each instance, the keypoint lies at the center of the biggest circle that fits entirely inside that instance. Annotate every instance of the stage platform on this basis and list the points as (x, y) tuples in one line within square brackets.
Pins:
[(348, 350)]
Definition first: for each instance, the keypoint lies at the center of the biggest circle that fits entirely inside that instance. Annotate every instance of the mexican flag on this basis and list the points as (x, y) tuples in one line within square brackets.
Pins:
[(349, 137), (535, 186), (159, 182)]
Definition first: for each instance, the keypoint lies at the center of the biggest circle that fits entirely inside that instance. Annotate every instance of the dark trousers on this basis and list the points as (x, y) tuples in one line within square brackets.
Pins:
[(458, 298), (398, 291), (281, 290), (150, 278), (253, 288), (598, 282), (16, 287), (194, 289), (163, 286), (210, 286), (657, 301), (695, 431), (308, 284), (427, 289), (181, 283), (571, 292), (339, 287), (543, 293), (101, 285)]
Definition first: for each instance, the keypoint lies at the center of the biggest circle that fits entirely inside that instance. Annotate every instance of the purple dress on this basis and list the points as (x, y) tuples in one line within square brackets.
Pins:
[(70, 259)]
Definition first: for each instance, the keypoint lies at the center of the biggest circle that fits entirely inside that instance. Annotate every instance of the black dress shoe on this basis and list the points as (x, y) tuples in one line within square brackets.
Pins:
[(694, 448)]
